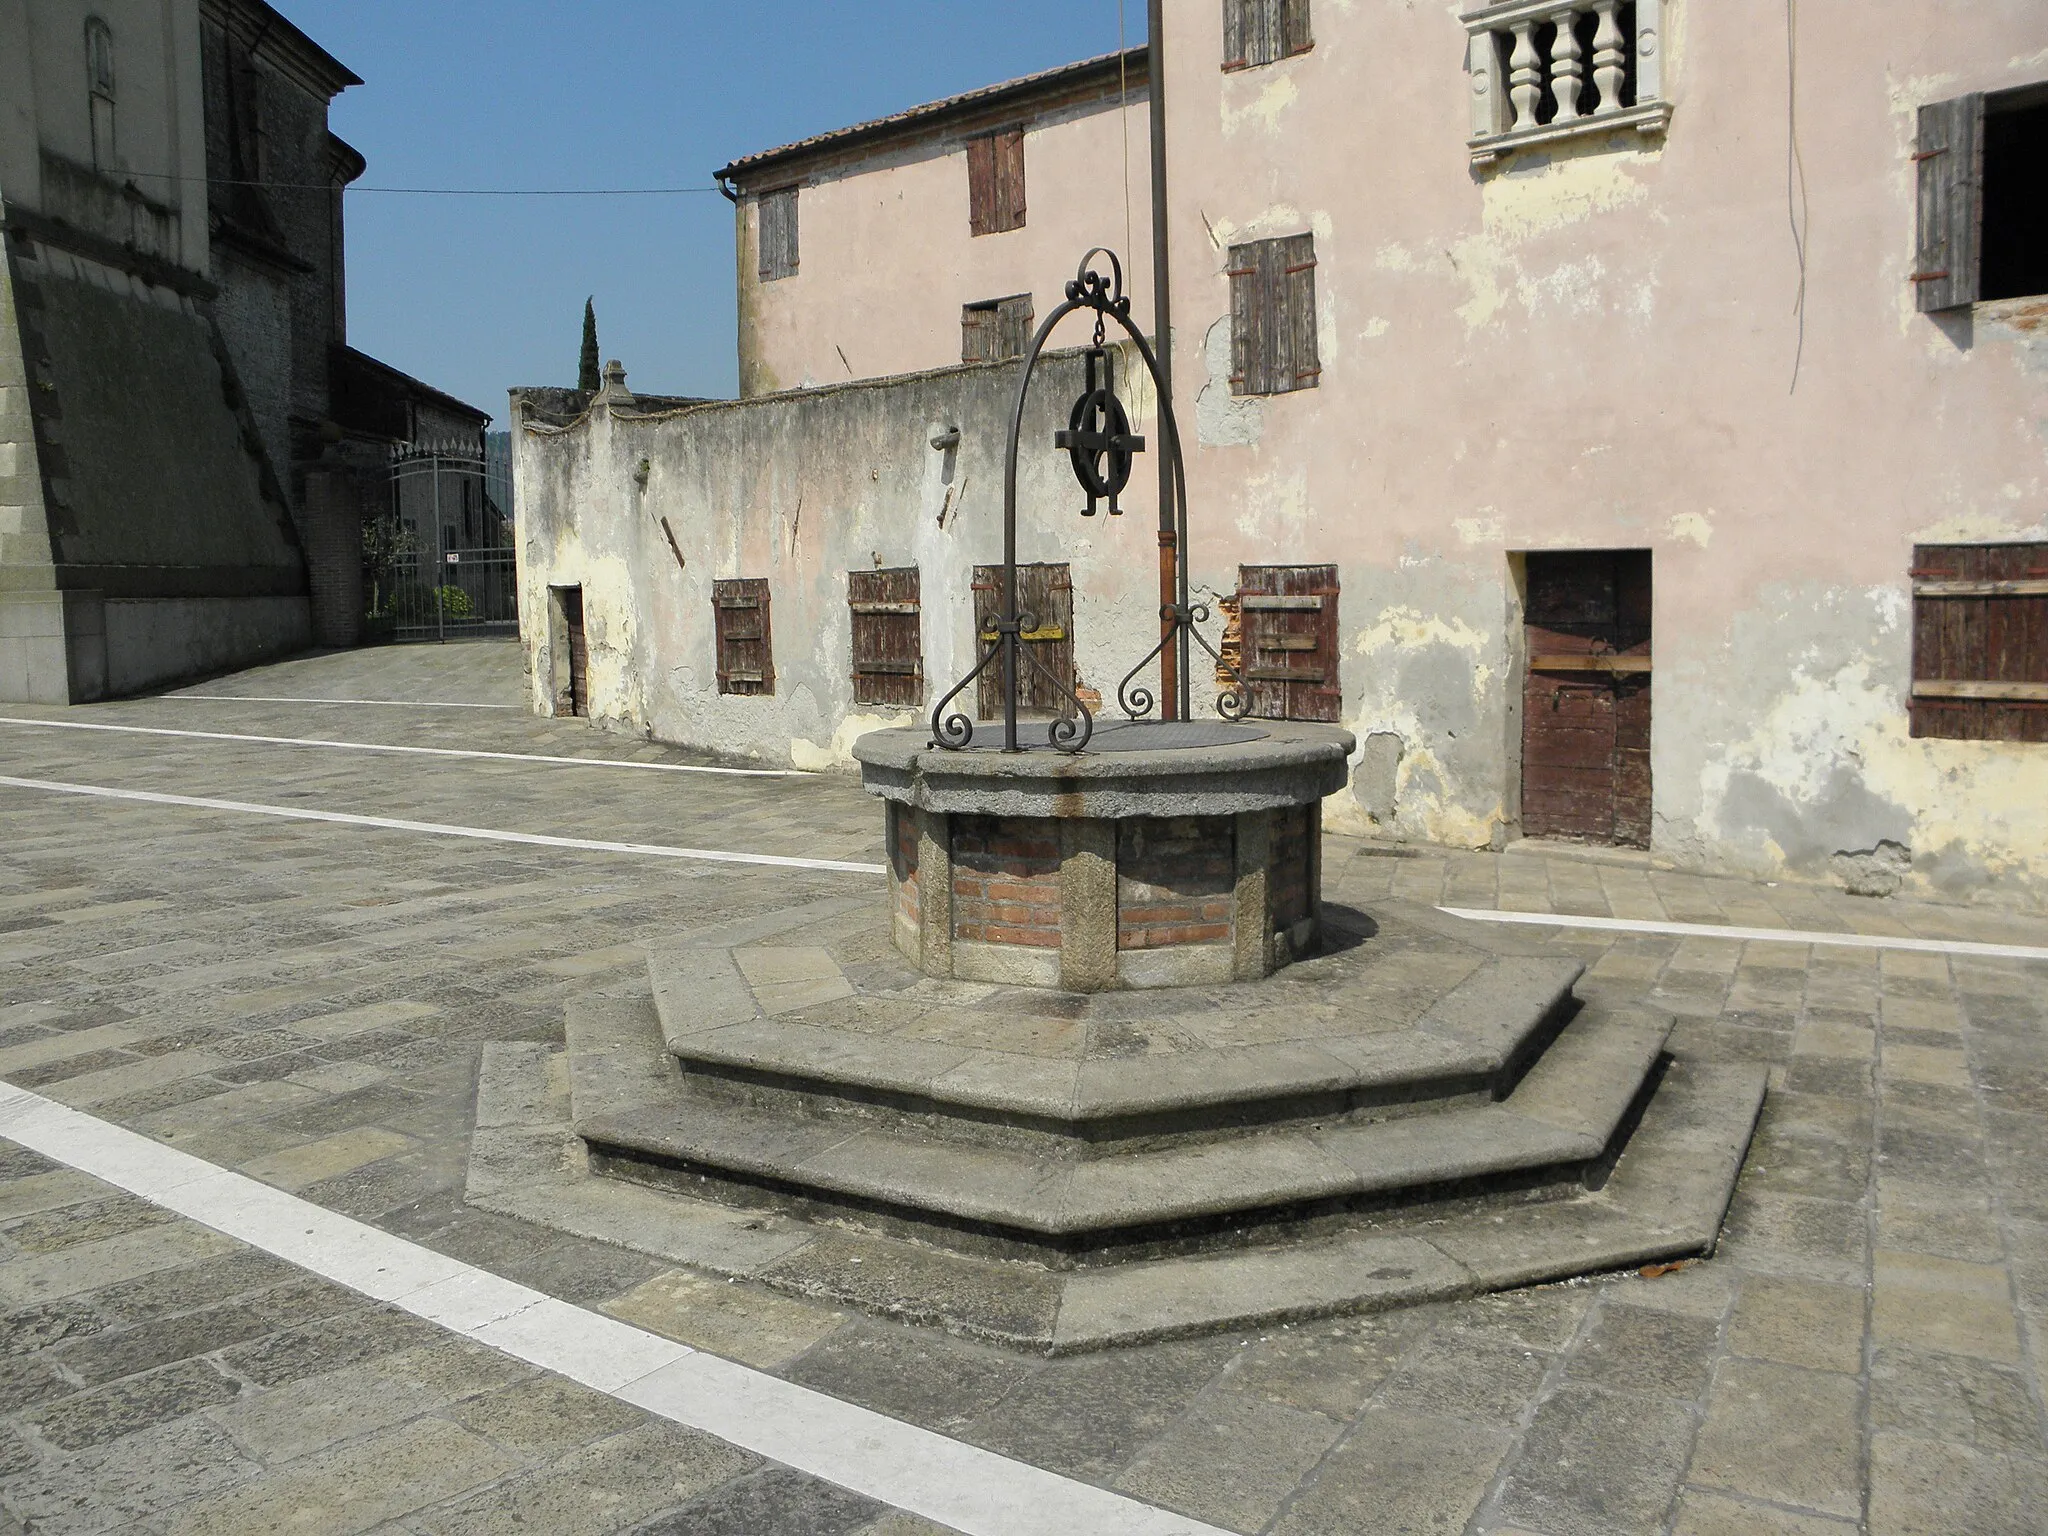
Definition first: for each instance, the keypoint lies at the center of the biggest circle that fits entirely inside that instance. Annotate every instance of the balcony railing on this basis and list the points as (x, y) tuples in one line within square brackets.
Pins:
[(1542, 71)]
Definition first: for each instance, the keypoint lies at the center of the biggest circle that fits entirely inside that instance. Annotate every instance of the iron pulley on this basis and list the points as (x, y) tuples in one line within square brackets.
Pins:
[(1098, 437)]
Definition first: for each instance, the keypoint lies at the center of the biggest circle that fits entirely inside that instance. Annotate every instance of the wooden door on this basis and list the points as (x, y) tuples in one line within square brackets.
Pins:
[(888, 642), (579, 651), (1045, 594), (1586, 702), (1287, 621), (746, 654)]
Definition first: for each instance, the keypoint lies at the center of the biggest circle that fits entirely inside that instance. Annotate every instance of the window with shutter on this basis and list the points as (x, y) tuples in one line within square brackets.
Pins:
[(1257, 32), (1983, 223), (1273, 316), (995, 182), (746, 656), (1287, 641), (888, 638), (778, 234), (1980, 641), (992, 330)]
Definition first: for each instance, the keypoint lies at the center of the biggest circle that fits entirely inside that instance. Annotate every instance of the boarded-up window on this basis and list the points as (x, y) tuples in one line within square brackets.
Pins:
[(995, 329), (1287, 641), (1980, 641), (746, 656), (1260, 31), (1983, 226), (1045, 595), (995, 182), (888, 641), (778, 234), (1273, 316), (1586, 698)]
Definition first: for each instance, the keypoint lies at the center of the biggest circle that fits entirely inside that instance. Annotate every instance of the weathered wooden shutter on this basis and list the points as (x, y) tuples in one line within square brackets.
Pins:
[(1948, 260), (1980, 641), (1273, 316), (888, 639), (981, 184), (977, 333), (1302, 367), (1046, 594), (746, 656), (1009, 169), (1237, 16), (1293, 26), (1014, 324), (1288, 646), (778, 234)]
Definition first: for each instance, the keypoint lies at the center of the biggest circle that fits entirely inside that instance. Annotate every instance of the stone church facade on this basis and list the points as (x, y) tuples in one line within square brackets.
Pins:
[(182, 486)]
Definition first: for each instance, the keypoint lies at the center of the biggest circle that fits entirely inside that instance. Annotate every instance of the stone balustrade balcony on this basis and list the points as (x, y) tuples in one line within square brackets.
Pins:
[(1542, 72)]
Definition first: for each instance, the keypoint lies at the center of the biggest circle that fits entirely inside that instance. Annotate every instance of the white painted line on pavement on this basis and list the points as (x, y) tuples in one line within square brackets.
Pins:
[(1755, 935), (900, 1464), (440, 829), (377, 746), (266, 698)]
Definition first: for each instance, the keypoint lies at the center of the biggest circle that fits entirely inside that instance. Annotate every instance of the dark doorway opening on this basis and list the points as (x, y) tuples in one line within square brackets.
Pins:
[(2015, 200), (1586, 698), (571, 653)]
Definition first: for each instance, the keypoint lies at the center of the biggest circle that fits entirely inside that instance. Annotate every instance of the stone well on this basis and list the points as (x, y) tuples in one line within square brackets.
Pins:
[(1169, 855)]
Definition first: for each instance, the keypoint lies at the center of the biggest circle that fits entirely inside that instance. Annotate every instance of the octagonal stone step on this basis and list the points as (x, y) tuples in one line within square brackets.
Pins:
[(1473, 1041), (640, 1115)]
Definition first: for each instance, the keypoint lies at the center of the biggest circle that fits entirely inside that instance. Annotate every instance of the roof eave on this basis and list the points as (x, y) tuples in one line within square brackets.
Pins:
[(1007, 97)]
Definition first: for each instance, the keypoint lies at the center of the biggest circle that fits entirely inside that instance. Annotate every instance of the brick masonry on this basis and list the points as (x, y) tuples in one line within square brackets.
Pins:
[(1006, 880), (903, 841), (1176, 881), (1293, 863)]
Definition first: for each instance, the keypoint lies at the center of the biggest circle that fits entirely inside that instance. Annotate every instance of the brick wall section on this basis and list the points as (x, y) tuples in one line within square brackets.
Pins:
[(903, 860), (1176, 878), (1291, 866), (1006, 880)]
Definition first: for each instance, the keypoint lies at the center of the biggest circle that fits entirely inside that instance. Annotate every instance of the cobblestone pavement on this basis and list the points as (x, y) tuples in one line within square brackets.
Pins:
[(305, 1002)]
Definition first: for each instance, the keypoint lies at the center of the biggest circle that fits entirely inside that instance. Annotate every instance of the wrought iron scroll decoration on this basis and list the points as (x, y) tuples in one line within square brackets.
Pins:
[(1099, 444)]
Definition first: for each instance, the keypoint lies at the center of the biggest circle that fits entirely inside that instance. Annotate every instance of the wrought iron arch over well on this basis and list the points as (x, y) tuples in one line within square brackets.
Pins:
[(1099, 443)]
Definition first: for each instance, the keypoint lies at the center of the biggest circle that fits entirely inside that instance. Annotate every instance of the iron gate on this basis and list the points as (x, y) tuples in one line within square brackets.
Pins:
[(439, 564)]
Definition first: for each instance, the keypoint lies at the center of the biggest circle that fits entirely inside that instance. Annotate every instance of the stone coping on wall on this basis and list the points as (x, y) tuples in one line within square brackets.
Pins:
[(1289, 763)]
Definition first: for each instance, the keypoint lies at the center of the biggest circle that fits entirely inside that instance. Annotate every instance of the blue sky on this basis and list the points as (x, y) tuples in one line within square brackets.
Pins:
[(477, 294)]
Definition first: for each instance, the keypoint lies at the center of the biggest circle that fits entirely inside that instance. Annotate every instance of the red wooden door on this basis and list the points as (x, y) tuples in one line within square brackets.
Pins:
[(1586, 700)]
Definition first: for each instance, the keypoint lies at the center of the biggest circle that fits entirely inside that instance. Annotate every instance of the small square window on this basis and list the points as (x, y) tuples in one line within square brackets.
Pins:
[(1257, 32), (996, 329), (1273, 316), (995, 182), (1980, 641)]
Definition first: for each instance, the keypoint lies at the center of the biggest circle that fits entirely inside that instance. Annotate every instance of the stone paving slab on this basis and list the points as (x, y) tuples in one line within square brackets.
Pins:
[(1523, 1412)]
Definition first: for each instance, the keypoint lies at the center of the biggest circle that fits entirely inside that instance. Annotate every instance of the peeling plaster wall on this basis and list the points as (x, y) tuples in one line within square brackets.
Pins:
[(802, 488), (1594, 347), (886, 257)]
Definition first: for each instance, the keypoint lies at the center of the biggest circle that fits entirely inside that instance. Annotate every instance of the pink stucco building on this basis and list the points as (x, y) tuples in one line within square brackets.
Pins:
[(930, 237), (1656, 406)]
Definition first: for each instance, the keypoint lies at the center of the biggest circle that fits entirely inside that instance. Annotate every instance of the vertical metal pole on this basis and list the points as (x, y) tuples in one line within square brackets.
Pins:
[(1172, 679), (440, 555)]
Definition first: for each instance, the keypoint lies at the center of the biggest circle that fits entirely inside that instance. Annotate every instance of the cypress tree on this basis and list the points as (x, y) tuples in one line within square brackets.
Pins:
[(587, 376)]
